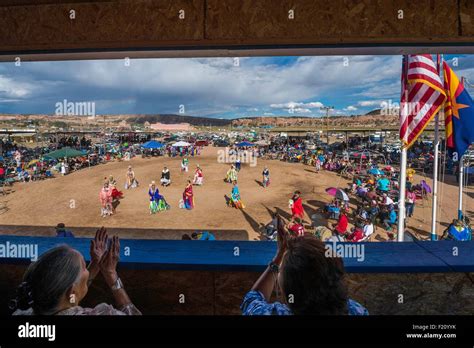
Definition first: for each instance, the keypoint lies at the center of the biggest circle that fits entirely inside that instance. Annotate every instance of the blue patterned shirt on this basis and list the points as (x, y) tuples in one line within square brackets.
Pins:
[(255, 304)]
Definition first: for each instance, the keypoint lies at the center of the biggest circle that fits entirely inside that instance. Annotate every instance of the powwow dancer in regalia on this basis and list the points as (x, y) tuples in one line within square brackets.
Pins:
[(198, 176), (165, 177), (185, 164), (266, 177), (235, 200), (188, 196), (105, 198), (231, 175), (130, 180), (157, 201)]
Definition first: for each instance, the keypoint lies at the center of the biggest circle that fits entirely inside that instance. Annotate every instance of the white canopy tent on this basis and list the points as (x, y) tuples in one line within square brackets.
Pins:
[(181, 144)]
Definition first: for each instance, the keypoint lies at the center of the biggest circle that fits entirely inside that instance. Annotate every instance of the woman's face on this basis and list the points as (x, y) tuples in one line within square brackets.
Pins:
[(80, 288)]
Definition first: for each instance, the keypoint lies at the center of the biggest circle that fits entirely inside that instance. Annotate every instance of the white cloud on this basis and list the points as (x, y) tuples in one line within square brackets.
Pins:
[(312, 105), (365, 103), (350, 108), (10, 88), (294, 105), (204, 86), (302, 110)]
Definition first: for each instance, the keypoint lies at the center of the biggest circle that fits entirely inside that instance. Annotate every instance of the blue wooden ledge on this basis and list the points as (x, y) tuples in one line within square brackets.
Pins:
[(406, 257)]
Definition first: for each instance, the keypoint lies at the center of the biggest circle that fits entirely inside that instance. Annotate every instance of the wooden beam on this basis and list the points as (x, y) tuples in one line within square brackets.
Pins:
[(466, 18), (336, 21), (45, 25), (111, 24)]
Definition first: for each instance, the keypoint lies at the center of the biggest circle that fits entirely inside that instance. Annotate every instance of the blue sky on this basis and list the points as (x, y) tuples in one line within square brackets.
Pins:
[(212, 87)]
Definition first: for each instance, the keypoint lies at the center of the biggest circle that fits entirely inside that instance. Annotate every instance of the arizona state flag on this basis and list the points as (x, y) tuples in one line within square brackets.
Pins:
[(459, 114)]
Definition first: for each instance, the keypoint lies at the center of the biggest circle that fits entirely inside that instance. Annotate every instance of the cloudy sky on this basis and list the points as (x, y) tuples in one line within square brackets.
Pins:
[(212, 87)]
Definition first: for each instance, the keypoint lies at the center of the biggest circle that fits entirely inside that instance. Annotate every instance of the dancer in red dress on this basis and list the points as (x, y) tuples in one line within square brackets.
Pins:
[(116, 194), (297, 205), (198, 176)]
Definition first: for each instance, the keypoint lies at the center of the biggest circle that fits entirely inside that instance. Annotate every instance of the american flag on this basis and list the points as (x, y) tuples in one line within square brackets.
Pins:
[(422, 96)]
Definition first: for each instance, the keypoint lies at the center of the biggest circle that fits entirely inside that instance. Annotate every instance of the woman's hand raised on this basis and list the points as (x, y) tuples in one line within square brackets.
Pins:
[(98, 246), (108, 264)]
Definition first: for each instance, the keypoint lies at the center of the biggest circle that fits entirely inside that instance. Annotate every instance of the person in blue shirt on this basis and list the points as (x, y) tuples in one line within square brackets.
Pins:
[(203, 236), (390, 219), (383, 184), (457, 231), (311, 282), (61, 231)]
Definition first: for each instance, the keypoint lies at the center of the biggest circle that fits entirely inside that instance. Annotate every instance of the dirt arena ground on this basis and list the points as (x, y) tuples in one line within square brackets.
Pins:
[(35, 208)]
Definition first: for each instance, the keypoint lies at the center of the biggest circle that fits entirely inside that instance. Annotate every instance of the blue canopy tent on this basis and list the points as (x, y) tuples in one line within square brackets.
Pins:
[(245, 143), (153, 144)]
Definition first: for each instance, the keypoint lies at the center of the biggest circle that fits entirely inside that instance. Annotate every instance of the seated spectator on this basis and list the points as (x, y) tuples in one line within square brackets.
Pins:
[(383, 184), (387, 201), (362, 213), (295, 227), (335, 237), (301, 270), (25, 176), (361, 232), (374, 210), (203, 236), (323, 233), (356, 235), (271, 228), (368, 228), (341, 226), (371, 181), (361, 191), (57, 282), (333, 209), (356, 185), (371, 195), (458, 231), (61, 231), (389, 220)]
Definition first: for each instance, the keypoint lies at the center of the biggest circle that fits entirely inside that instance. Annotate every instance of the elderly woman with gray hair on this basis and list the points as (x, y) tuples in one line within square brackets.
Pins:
[(57, 282)]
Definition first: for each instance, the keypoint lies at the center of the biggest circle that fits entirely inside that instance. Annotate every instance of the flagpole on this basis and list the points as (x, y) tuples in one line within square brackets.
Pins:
[(401, 200), (434, 208), (461, 178), (403, 163)]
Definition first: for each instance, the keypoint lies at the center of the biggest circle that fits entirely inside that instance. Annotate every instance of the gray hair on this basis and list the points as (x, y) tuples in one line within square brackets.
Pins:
[(48, 279)]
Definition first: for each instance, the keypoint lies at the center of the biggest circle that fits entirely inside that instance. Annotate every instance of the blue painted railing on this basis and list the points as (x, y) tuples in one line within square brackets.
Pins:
[(379, 257)]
